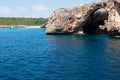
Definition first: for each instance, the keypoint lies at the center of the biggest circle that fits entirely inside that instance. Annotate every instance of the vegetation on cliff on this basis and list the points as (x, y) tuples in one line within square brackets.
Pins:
[(22, 21)]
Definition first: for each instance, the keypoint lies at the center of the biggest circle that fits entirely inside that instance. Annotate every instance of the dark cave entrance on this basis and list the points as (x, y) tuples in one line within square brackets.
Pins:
[(96, 18)]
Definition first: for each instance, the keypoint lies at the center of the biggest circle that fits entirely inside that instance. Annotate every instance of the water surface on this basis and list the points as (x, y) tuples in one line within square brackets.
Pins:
[(29, 54)]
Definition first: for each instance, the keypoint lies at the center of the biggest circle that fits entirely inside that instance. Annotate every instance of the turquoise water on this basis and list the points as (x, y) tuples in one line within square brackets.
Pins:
[(29, 54)]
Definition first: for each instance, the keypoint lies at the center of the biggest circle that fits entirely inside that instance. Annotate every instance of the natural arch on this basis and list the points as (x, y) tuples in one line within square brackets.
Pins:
[(96, 18)]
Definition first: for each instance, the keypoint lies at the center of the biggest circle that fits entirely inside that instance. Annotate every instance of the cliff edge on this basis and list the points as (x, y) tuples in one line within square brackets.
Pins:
[(94, 18)]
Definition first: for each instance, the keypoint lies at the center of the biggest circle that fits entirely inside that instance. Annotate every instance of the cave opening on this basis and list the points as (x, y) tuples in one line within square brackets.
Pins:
[(96, 18)]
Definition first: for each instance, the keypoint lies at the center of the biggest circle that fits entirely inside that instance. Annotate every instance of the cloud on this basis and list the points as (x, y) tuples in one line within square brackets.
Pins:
[(8, 10), (21, 9), (39, 7), (5, 10)]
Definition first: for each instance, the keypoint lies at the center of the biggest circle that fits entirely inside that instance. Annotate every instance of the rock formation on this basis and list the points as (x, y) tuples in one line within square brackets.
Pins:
[(94, 18)]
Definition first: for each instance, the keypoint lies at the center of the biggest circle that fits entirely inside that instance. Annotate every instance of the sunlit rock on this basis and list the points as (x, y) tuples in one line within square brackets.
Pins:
[(94, 18)]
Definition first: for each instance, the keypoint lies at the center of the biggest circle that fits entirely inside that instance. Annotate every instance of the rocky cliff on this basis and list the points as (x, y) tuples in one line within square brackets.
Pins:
[(94, 18)]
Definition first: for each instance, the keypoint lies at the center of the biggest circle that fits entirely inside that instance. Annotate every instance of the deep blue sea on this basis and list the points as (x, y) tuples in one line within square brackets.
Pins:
[(29, 54)]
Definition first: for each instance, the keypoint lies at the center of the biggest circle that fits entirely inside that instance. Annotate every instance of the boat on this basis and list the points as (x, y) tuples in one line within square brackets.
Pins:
[(13, 26)]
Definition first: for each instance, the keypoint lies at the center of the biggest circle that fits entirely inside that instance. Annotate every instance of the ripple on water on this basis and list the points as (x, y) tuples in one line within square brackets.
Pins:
[(29, 54)]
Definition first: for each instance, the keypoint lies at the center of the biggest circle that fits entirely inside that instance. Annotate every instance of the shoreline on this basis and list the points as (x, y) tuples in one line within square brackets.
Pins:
[(19, 26)]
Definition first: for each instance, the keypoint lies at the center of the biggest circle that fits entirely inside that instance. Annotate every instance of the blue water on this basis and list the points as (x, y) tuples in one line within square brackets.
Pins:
[(29, 54)]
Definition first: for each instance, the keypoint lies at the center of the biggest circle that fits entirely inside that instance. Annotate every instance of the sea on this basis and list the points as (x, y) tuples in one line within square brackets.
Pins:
[(30, 54)]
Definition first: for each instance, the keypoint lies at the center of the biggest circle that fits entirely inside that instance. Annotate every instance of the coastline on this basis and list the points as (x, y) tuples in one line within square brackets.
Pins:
[(19, 26)]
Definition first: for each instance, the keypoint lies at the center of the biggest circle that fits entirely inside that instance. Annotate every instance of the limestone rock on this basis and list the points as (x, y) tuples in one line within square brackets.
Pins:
[(115, 32), (118, 1), (92, 18)]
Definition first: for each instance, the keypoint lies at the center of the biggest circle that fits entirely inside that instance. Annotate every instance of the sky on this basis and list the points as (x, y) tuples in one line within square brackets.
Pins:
[(36, 8)]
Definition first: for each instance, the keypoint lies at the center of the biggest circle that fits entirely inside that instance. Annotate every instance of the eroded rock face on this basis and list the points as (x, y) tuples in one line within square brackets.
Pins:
[(97, 18), (92, 18)]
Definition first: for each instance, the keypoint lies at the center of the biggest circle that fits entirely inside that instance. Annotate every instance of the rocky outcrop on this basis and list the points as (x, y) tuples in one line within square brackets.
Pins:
[(115, 32), (94, 18)]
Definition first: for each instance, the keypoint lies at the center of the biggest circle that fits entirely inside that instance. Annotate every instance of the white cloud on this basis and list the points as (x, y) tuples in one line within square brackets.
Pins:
[(5, 10), (21, 9), (39, 7), (8, 10)]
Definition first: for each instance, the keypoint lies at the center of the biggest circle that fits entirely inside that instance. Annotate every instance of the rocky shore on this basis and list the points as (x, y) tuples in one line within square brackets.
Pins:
[(93, 18)]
